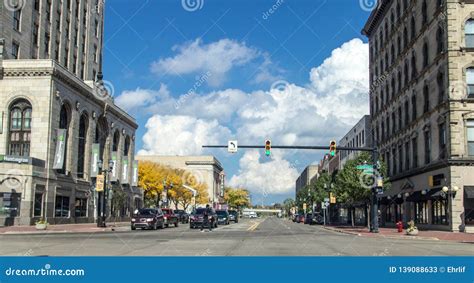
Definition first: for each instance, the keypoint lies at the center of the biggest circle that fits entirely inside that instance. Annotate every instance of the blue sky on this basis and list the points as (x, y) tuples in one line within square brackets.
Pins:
[(291, 71)]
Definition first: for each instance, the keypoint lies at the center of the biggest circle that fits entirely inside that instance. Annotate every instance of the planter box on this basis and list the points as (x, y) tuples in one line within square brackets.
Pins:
[(41, 226)]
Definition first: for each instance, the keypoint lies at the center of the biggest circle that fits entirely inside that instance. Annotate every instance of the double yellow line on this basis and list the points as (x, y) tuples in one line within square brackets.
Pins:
[(254, 226)]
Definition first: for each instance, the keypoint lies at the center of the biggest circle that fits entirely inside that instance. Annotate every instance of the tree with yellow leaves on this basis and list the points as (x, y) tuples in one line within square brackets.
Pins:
[(237, 197)]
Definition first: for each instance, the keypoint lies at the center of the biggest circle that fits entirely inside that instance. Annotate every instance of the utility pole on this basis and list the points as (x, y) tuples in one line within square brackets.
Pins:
[(374, 228)]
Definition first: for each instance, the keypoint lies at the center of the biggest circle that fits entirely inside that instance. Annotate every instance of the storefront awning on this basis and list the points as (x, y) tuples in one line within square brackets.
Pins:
[(431, 194)]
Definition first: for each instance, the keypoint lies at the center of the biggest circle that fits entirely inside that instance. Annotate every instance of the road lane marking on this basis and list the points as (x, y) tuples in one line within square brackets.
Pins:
[(254, 226)]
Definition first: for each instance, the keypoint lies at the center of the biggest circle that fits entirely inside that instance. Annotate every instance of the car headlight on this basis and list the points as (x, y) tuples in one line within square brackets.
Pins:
[(224, 218), (149, 219), (133, 219), (165, 218)]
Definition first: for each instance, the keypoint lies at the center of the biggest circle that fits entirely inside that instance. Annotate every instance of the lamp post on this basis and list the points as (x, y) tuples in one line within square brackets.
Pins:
[(102, 207), (165, 191), (450, 192)]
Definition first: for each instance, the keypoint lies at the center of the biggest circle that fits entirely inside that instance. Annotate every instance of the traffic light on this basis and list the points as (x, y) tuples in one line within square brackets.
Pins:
[(332, 148), (268, 147)]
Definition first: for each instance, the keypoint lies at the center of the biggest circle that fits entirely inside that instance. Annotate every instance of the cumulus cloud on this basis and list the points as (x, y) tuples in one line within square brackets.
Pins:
[(277, 176), (218, 58), (334, 99), (140, 99), (180, 135)]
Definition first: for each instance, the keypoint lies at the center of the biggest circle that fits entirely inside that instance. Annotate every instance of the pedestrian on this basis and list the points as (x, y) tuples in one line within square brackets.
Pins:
[(206, 220)]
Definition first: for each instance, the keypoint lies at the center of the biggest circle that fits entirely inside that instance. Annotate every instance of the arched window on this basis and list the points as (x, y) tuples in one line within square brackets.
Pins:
[(413, 28), (81, 148), (469, 33), (101, 133), (424, 12), (20, 128), (440, 40), (470, 82), (394, 91), (441, 90), (64, 124), (405, 4), (116, 141), (392, 53), (398, 10), (386, 31), (407, 74), (399, 79), (426, 99), (399, 46), (426, 55), (126, 148), (405, 37)]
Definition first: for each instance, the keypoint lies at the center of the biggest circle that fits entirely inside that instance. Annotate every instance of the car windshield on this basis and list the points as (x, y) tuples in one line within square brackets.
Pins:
[(199, 211), (168, 211), (147, 212), (179, 211), (233, 212), (221, 212)]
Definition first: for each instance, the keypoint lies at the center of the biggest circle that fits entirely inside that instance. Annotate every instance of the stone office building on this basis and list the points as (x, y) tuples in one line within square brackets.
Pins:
[(422, 108), (57, 120)]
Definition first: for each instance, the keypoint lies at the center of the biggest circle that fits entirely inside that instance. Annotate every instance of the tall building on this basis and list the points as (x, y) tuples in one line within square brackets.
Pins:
[(306, 177), (422, 108), (359, 136), (206, 169), (58, 132), (69, 32)]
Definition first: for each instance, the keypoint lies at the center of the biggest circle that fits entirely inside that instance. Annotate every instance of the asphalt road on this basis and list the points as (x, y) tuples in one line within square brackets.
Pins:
[(259, 237)]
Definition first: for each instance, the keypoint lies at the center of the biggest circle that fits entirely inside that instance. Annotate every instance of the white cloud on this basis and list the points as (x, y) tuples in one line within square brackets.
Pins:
[(276, 176), (335, 98), (180, 135), (140, 99), (218, 58)]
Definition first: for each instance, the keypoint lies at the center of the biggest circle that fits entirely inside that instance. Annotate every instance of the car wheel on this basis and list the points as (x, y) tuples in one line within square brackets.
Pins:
[(133, 228), (167, 225)]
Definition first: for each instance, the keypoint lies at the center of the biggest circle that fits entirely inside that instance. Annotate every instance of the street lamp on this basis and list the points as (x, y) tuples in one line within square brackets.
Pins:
[(450, 192), (101, 208)]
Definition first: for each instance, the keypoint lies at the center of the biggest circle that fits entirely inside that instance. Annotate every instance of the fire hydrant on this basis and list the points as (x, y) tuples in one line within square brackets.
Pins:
[(399, 226)]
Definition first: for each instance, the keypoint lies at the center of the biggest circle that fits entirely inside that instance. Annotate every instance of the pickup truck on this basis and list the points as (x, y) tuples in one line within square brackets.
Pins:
[(170, 218)]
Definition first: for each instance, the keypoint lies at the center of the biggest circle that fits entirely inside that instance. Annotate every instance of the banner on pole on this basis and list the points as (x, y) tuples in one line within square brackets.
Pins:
[(60, 149)]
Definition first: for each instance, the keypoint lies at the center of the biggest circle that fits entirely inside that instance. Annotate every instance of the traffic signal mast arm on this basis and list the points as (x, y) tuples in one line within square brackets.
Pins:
[(339, 148)]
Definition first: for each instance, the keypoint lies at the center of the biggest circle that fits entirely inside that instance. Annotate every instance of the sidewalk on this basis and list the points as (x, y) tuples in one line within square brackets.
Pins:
[(63, 228), (393, 234)]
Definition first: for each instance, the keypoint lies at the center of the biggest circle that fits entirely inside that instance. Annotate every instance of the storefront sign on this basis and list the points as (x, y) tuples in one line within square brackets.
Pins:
[(60, 149), (95, 159), (14, 159)]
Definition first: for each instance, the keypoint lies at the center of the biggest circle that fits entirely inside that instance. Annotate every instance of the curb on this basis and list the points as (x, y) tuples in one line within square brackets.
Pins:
[(383, 236), (54, 232)]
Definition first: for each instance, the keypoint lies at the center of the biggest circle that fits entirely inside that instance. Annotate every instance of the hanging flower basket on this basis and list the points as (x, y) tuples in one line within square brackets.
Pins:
[(41, 225)]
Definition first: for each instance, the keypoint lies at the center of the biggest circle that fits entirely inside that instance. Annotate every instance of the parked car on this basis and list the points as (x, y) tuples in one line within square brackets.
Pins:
[(148, 218), (170, 217), (313, 218), (300, 218), (234, 216), (223, 217), (196, 218), (295, 218), (183, 216)]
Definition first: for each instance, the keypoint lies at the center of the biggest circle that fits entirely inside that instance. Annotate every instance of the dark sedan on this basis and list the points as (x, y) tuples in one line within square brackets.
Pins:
[(223, 217), (234, 216), (148, 218), (182, 215)]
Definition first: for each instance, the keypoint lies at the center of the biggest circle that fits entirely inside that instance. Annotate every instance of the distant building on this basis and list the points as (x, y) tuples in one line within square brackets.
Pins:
[(359, 136), (305, 177), (206, 169)]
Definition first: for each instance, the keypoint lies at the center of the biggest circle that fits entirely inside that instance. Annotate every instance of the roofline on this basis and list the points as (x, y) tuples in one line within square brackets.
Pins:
[(376, 13)]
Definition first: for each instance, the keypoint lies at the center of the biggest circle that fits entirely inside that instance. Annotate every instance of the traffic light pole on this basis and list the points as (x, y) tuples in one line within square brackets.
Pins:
[(374, 227)]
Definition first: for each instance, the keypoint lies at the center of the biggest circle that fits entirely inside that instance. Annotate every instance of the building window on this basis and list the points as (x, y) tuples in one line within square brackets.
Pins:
[(470, 137), (37, 5), (426, 55), (424, 12), (441, 90), (442, 140), (426, 99), (35, 34), (405, 37), (10, 204), (47, 39), (400, 118), (469, 33), (414, 69), (17, 18), (414, 148), (61, 208), (413, 28), (20, 128), (440, 39), (421, 212), (394, 161), (81, 148), (407, 113), (413, 107), (407, 156), (427, 136), (80, 207), (126, 147), (15, 50), (439, 211), (470, 82), (38, 205), (406, 71)]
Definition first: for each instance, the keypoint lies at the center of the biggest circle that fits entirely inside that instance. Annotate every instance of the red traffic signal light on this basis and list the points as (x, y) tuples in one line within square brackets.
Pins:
[(332, 148), (268, 147)]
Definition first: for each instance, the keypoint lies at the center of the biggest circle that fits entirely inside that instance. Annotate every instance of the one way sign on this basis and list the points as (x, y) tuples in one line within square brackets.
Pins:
[(232, 146)]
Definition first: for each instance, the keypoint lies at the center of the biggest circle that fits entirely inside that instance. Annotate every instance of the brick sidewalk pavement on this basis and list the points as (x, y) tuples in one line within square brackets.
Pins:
[(392, 233)]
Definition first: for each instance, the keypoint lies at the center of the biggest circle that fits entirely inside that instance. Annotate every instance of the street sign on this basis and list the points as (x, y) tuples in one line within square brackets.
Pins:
[(365, 167), (232, 146), (380, 191), (369, 171), (324, 205)]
